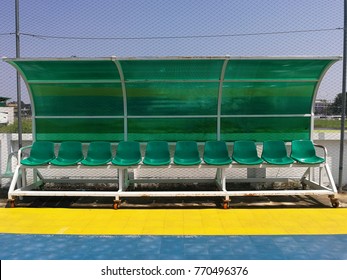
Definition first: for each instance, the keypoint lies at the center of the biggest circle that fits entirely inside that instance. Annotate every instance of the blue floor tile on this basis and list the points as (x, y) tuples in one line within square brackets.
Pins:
[(98, 247)]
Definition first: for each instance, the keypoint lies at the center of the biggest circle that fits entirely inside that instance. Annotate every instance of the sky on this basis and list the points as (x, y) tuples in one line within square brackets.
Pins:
[(87, 28)]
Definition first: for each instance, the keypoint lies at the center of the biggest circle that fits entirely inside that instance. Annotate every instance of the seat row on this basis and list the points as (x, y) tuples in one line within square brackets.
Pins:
[(157, 153)]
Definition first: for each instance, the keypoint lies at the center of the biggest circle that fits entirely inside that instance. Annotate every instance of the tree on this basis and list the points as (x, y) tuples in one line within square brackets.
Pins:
[(335, 108)]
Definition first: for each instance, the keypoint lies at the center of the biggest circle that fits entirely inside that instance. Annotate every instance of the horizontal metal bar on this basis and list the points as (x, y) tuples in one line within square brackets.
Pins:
[(108, 81), (278, 192), (229, 166), (166, 180), (175, 58), (136, 81), (267, 116), (18, 192), (221, 193), (79, 117), (173, 117), (175, 166), (170, 193), (225, 81), (228, 57), (60, 59), (223, 116), (270, 81)]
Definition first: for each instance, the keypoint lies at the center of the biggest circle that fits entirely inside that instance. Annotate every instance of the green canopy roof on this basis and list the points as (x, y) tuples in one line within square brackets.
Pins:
[(173, 98)]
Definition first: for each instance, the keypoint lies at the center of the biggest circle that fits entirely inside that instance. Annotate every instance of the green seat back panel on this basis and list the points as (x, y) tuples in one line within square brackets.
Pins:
[(275, 152), (172, 99), (187, 153), (70, 153), (128, 153), (216, 153), (303, 151), (99, 153), (42, 152), (245, 152), (157, 153)]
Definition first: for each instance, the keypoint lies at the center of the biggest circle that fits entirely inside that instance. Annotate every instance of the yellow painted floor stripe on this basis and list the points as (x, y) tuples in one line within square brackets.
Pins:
[(173, 221)]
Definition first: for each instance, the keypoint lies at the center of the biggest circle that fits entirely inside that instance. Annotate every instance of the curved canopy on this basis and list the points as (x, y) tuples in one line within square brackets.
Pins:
[(173, 98)]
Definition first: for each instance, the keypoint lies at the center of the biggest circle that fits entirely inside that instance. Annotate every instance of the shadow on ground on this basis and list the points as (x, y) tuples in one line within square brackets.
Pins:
[(287, 201)]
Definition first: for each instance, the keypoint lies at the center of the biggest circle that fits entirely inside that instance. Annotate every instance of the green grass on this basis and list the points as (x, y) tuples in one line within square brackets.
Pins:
[(328, 124), (13, 128)]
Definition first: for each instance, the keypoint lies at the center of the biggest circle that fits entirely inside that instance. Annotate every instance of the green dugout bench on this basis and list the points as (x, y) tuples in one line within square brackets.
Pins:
[(184, 113)]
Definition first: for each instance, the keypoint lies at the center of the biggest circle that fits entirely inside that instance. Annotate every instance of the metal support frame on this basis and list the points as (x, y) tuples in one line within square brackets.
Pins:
[(343, 105), (19, 94), (220, 180)]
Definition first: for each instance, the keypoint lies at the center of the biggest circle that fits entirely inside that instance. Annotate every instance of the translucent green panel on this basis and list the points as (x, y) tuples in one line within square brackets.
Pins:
[(85, 130), (186, 87), (172, 69), (77, 99), (69, 70), (254, 98), (262, 129), (171, 129), (275, 69), (153, 99)]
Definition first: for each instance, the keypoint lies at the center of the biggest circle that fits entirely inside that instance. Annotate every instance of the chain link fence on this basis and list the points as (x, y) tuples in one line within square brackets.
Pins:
[(136, 28)]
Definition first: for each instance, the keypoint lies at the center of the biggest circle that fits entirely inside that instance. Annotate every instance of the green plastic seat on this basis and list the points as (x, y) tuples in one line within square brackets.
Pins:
[(157, 153), (128, 153), (216, 153), (99, 153), (275, 152), (42, 152), (245, 152), (187, 153), (70, 153), (303, 151)]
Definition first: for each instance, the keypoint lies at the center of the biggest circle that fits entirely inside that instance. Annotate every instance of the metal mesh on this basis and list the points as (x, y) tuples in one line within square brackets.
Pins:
[(170, 28), (184, 28)]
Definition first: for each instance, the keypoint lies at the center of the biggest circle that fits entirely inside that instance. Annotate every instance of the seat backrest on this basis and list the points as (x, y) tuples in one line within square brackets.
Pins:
[(99, 150), (157, 150), (216, 149), (187, 149), (303, 149), (42, 150), (70, 150), (245, 149), (274, 149), (129, 150)]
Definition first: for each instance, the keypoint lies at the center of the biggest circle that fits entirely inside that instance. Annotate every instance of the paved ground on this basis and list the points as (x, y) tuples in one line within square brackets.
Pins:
[(293, 227)]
